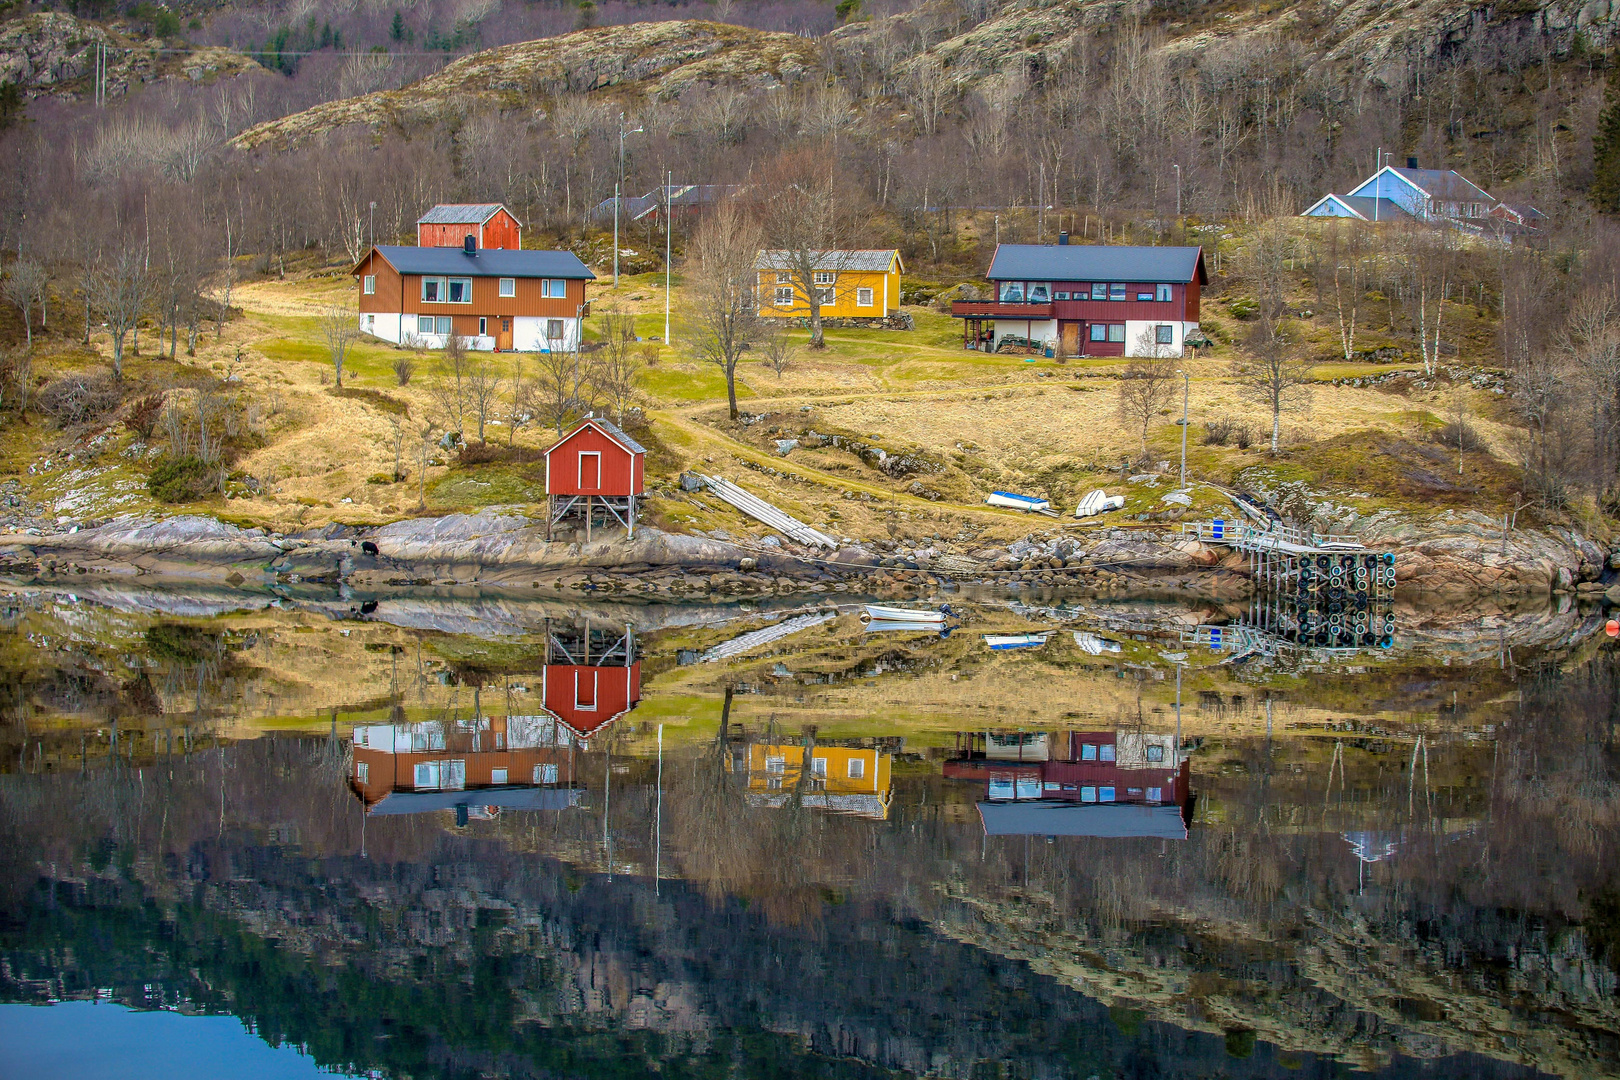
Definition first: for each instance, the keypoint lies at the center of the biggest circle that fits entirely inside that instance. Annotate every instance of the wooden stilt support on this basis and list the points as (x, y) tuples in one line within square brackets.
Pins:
[(589, 514)]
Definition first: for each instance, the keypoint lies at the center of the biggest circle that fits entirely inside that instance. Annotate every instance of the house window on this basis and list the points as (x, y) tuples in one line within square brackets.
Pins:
[(362, 772), (554, 329), (1105, 794), (1116, 332), (1164, 334), (783, 278), (1039, 292), (1099, 331), (825, 277), (1099, 290), (818, 767), (1164, 293), (1155, 753), (433, 290), (1155, 795), (369, 286), (553, 288), (483, 327), (443, 325), (1133, 793), (1012, 292), (1116, 291), (508, 286), (424, 324), (371, 324), (1144, 296), (545, 774), (1088, 794), (857, 768), (863, 297), (1060, 296), (460, 290), (497, 776), (826, 296), (1088, 752), (784, 296), (776, 764), (1105, 752)]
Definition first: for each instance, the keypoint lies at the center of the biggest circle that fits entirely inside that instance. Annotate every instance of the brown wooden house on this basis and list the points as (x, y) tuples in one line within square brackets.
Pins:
[(528, 301)]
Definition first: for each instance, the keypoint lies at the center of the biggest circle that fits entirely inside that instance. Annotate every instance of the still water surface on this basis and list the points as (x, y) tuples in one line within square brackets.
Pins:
[(436, 835)]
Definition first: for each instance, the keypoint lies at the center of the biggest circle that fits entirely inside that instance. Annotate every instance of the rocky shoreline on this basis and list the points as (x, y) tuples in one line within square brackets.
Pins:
[(1456, 555)]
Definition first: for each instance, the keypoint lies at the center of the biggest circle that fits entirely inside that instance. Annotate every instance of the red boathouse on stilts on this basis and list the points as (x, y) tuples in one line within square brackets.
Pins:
[(594, 471)]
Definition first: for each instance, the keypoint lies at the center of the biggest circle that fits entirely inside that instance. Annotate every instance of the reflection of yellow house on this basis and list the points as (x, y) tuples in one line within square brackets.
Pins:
[(850, 284), (853, 780)]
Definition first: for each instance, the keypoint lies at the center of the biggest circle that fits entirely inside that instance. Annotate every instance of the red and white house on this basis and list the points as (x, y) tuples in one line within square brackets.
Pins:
[(1089, 300), (595, 470), (449, 225), (506, 300)]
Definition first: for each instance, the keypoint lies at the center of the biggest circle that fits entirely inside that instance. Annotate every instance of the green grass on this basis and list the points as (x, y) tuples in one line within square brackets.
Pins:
[(668, 383), (494, 485)]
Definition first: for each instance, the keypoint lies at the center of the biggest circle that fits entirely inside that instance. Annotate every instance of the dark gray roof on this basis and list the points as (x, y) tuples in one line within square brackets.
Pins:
[(491, 262), (460, 214), (1052, 817), (878, 260), (1093, 262), (608, 428), (508, 798)]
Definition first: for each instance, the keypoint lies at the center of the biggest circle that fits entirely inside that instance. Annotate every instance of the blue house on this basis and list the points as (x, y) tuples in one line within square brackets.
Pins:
[(1393, 194)]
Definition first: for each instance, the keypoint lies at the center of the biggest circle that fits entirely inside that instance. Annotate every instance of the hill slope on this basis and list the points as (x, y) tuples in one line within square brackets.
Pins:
[(663, 60)]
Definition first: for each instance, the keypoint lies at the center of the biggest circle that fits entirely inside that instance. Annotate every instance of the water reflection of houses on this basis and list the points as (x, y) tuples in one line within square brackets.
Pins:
[(479, 766), (849, 779), (592, 676), (1119, 783), (476, 767)]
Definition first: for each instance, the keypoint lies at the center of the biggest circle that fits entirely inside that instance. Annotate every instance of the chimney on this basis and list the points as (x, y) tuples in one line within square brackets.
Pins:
[(1063, 239), (1411, 163), (469, 245)]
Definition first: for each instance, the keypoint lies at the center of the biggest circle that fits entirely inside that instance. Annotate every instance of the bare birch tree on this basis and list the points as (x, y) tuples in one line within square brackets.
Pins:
[(24, 287), (618, 363), (120, 288), (1272, 372), (1346, 260), (724, 307), (1146, 386), (484, 382), (340, 331), (1428, 255)]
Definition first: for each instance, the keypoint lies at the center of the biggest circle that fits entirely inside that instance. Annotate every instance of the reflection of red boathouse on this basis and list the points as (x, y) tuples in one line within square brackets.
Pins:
[(1130, 783), (592, 677)]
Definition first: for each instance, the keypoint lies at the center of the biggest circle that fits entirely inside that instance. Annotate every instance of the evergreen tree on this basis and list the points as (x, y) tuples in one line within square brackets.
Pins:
[(397, 30), (1606, 150)]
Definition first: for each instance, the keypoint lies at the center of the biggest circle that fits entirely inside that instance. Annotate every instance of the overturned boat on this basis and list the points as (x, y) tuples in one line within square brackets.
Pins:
[(1002, 642)]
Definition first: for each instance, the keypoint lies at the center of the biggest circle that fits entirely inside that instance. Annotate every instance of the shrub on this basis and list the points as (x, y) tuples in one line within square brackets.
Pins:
[(182, 479), (1243, 307), (404, 368), (485, 453), (1449, 434), (1224, 430), (372, 397), (380, 478), (649, 355), (78, 398), (144, 415)]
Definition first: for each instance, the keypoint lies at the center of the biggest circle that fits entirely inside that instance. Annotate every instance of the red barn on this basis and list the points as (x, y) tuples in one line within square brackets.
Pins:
[(449, 225), (595, 466)]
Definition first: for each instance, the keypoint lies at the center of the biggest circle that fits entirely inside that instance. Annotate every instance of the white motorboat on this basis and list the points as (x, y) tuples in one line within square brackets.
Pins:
[(879, 613), (1002, 642)]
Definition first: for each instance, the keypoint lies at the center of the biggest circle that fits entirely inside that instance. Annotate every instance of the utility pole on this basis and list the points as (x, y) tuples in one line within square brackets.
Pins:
[(1178, 189), (669, 225), (371, 226), (618, 194), (1186, 389)]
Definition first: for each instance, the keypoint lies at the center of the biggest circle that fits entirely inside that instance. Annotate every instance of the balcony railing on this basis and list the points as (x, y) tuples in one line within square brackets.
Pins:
[(995, 309)]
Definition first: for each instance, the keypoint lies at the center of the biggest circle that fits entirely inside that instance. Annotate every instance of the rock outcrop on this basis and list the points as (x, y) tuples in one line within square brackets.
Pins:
[(52, 52)]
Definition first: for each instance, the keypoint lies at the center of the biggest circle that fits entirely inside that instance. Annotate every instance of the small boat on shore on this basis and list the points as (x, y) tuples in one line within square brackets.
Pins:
[(880, 613), (1003, 642), (1013, 501), (883, 626)]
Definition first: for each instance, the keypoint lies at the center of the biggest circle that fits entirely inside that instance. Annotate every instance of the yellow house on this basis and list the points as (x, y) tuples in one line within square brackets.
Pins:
[(854, 780), (850, 284)]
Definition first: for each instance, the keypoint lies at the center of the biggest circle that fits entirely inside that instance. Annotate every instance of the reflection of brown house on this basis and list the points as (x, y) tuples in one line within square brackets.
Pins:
[(1076, 768), (491, 758)]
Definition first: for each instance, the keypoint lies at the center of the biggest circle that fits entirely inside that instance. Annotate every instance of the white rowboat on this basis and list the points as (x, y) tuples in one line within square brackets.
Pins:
[(1013, 501), (879, 613), (1001, 642)]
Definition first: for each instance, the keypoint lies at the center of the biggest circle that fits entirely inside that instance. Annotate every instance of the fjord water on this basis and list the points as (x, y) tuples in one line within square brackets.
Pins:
[(466, 835)]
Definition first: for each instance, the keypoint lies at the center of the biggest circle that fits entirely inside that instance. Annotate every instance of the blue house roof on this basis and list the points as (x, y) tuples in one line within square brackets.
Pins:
[(491, 262), (1096, 262)]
